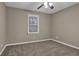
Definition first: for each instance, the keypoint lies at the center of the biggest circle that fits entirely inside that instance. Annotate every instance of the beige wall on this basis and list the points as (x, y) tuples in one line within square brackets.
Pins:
[(65, 25), (17, 20), (2, 26)]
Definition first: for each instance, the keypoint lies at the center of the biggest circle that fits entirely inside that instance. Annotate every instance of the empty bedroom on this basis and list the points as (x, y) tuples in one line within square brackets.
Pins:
[(39, 29)]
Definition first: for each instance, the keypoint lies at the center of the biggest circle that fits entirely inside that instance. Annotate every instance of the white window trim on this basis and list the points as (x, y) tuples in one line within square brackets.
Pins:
[(28, 24)]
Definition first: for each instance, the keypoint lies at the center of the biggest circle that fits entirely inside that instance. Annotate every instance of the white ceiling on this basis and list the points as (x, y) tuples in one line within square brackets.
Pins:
[(33, 6)]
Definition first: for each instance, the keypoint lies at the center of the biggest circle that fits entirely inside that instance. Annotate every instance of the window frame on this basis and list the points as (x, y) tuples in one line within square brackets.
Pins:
[(37, 24)]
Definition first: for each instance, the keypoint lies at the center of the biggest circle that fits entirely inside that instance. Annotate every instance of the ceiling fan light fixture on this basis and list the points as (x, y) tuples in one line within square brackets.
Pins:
[(46, 4), (50, 4)]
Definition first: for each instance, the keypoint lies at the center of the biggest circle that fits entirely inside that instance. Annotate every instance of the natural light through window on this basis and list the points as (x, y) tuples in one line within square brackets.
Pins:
[(33, 24)]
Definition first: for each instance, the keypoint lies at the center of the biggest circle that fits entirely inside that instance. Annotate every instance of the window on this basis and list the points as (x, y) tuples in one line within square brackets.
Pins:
[(33, 24)]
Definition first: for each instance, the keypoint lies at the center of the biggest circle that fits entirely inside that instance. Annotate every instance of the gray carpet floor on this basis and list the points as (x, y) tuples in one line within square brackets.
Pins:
[(46, 48)]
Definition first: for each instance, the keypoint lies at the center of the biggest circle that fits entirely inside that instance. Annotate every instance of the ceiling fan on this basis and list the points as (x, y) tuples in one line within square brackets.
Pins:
[(46, 4)]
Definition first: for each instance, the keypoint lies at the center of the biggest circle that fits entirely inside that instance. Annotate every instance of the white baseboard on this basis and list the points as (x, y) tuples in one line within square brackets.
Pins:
[(27, 42), (3, 49), (38, 41), (65, 44), (22, 43)]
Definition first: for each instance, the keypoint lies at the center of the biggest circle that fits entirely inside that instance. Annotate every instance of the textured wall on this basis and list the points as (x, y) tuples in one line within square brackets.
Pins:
[(17, 20), (2, 25), (65, 25)]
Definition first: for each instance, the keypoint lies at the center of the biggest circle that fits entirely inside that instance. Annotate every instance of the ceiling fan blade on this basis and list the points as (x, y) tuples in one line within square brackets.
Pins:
[(40, 6)]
